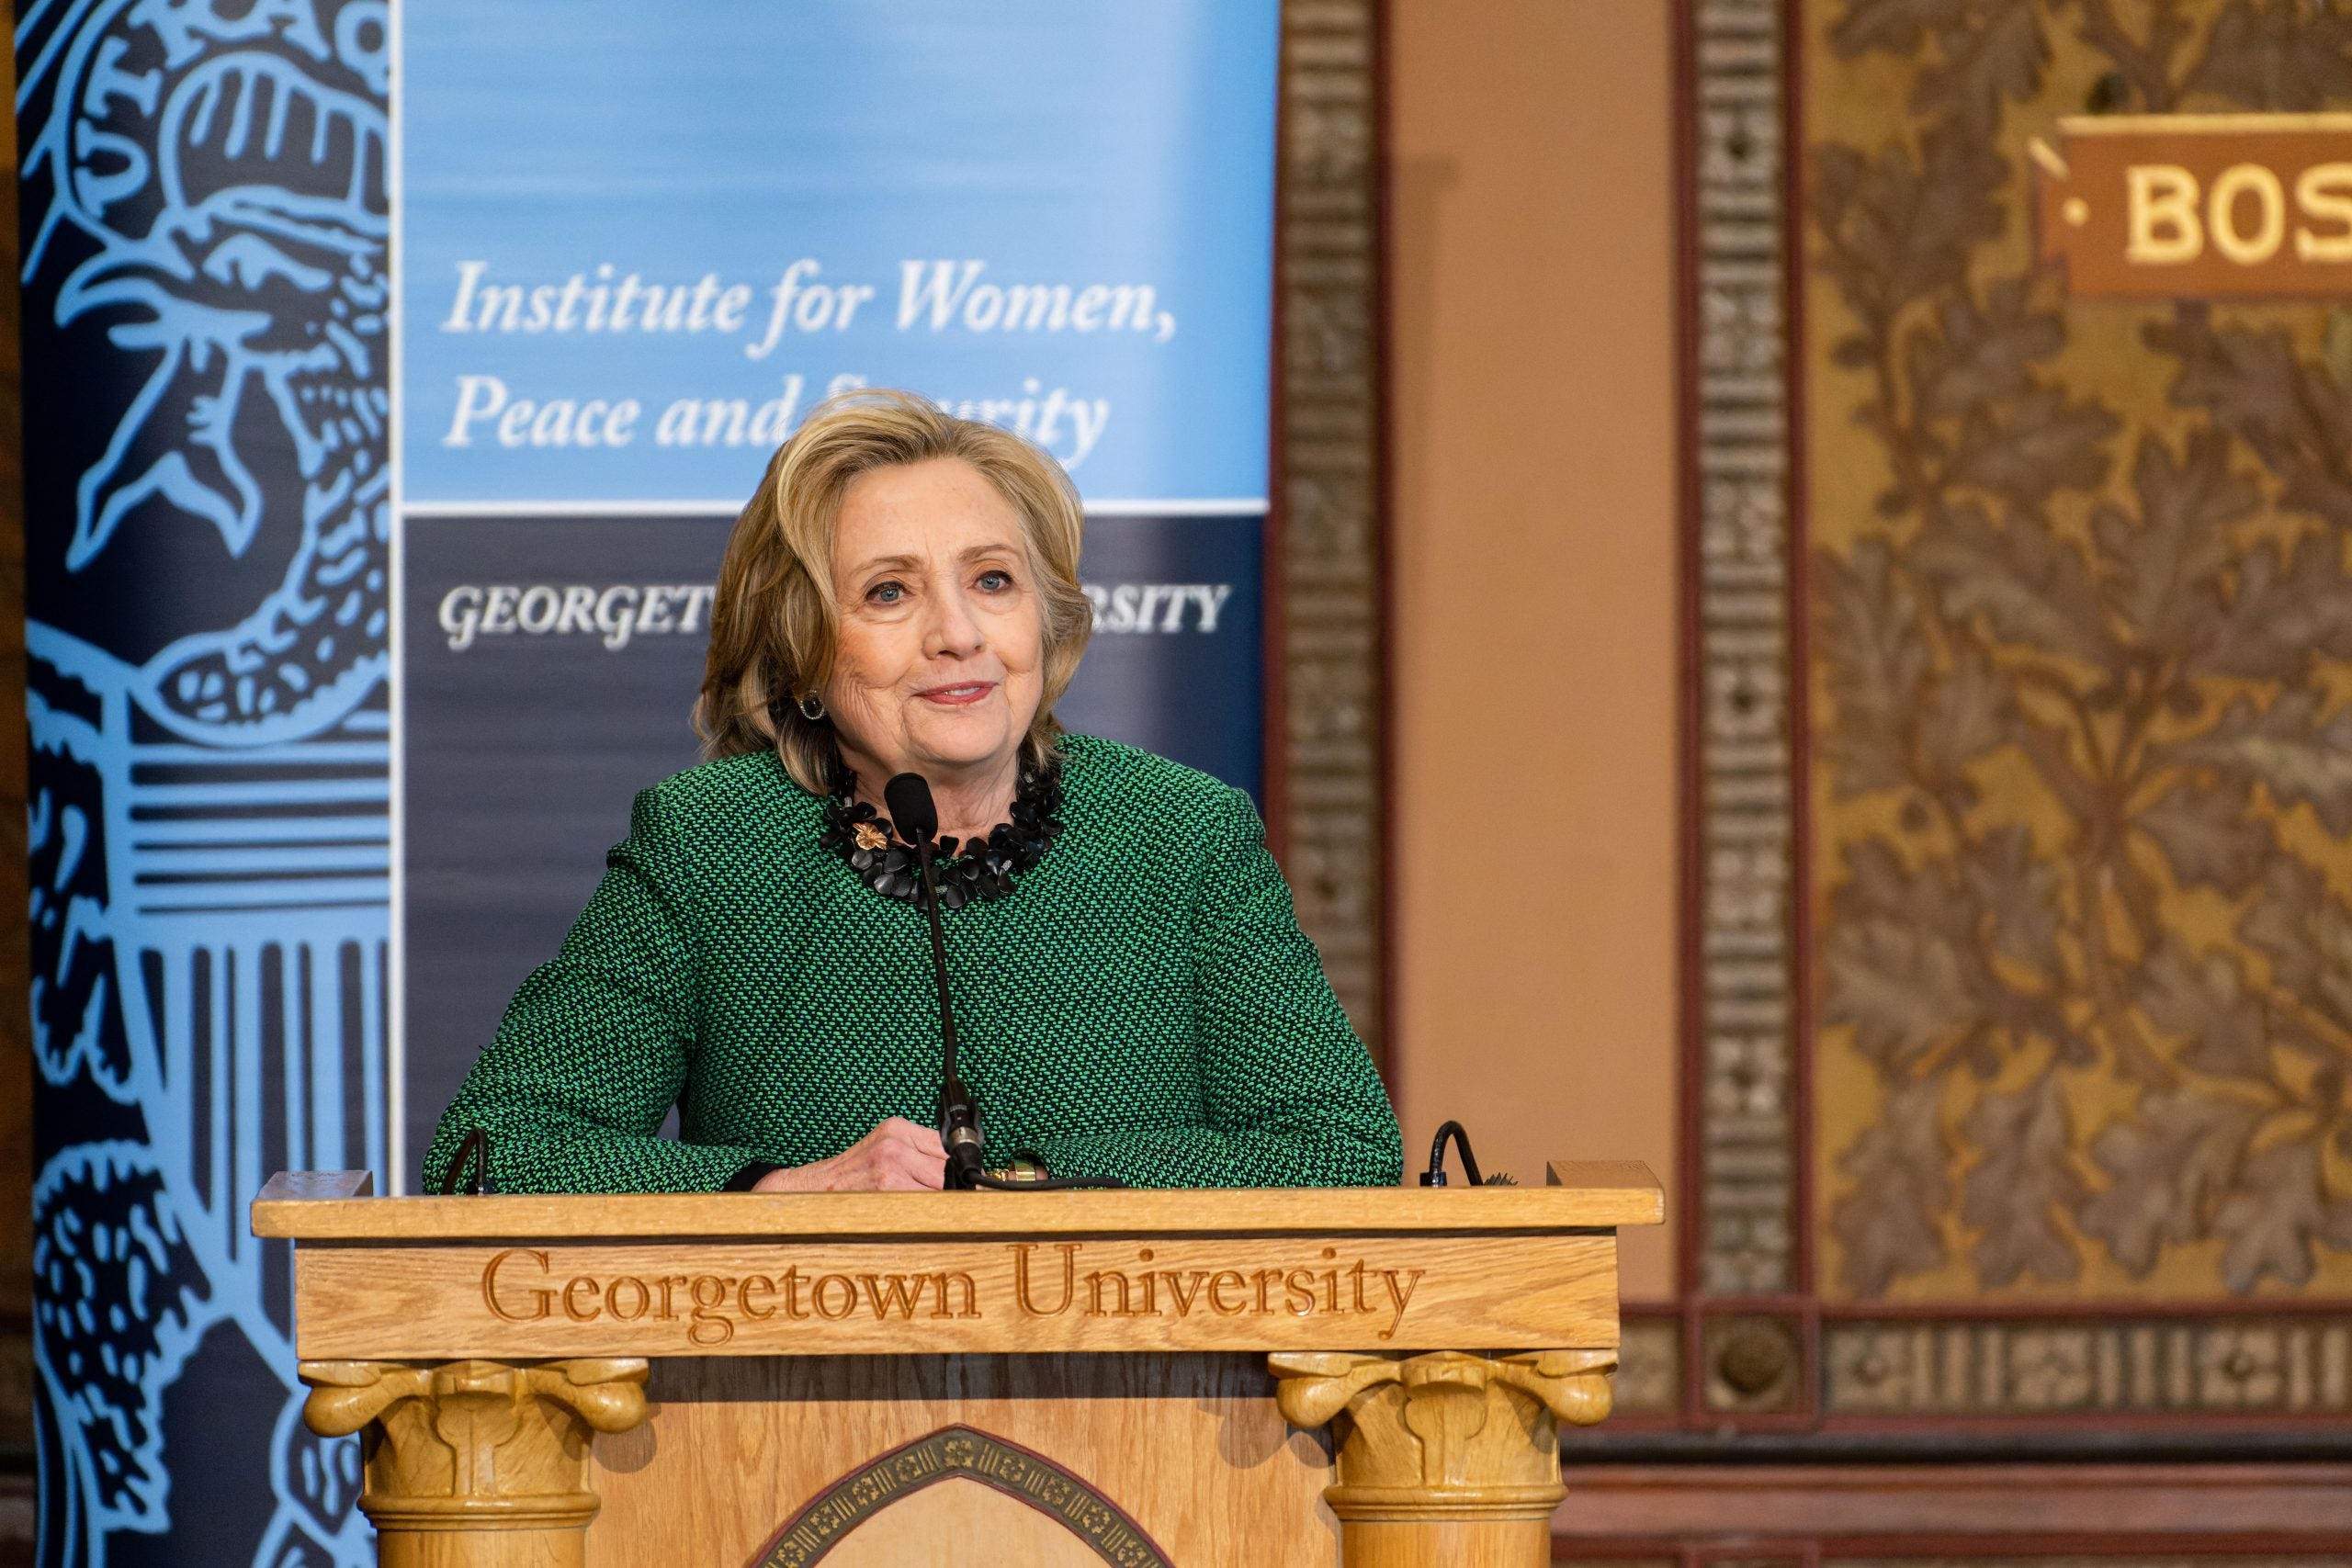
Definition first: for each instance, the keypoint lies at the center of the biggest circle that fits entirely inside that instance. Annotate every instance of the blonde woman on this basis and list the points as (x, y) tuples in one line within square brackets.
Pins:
[(1135, 998)]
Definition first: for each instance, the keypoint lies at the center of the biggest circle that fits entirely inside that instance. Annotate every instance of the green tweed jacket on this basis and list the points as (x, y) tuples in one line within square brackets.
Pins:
[(1143, 1006)]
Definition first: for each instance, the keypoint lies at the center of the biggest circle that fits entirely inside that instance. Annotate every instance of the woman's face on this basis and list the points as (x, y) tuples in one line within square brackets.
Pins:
[(942, 632)]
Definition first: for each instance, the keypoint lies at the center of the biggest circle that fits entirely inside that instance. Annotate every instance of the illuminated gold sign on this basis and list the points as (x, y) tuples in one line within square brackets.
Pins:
[(2198, 206)]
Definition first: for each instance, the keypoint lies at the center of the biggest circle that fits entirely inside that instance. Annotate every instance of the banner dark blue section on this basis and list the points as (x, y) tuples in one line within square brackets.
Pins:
[(526, 731), (1174, 666)]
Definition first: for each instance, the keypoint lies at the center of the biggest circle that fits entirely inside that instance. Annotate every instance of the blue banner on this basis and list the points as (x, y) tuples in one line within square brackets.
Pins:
[(635, 250), (637, 242), (300, 526)]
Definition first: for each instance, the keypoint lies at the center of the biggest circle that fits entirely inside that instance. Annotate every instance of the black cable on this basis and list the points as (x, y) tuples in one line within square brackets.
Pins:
[(1435, 1175), (473, 1150), (959, 1119), (1048, 1183)]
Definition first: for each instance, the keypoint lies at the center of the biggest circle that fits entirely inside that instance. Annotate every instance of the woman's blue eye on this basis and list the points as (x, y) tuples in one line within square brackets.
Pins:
[(995, 580), (887, 592)]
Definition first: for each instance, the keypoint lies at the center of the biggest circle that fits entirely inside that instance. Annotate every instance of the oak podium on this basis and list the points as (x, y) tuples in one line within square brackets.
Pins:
[(1061, 1379)]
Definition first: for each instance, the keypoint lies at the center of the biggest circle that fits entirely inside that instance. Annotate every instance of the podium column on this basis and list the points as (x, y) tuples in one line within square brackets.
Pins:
[(476, 1464), (1445, 1461)]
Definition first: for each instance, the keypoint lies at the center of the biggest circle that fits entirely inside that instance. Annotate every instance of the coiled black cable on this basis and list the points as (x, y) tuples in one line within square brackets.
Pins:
[(1435, 1175)]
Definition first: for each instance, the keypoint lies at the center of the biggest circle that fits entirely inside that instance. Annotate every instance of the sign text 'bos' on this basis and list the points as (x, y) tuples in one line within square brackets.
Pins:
[(2198, 206)]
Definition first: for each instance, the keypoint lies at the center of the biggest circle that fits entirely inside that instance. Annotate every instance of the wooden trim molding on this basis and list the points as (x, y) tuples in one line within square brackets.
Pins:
[(1580, 1195), (2097, 1509), (1949, 1552), (1327, 785)]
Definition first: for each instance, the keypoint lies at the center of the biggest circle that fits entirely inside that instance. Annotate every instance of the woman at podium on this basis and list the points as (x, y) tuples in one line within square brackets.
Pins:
[(1134, 996)]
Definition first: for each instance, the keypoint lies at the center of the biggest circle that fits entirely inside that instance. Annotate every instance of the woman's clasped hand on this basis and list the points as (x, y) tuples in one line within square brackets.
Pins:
[(897, 1157)]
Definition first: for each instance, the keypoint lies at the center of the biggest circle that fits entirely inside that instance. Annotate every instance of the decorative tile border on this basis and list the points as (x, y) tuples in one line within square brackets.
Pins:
[(962, 1453), (2280, 1366), (1648, 1379), (1329, 575), (1744, 743)]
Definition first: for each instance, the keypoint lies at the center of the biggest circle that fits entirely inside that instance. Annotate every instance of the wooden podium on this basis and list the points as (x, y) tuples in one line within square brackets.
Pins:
[(1060, 1379)]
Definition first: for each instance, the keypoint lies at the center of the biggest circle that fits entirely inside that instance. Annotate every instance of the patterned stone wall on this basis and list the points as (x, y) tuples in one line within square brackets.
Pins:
[(1329, 571)]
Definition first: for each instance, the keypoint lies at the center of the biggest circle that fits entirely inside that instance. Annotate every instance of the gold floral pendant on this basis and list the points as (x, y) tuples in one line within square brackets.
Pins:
[(870, 837)]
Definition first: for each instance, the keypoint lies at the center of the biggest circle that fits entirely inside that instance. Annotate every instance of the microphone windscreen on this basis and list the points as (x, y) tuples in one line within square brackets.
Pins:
[(912, 811)]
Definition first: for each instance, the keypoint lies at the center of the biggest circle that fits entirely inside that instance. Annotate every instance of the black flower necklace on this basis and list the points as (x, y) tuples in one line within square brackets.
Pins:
[(969, 871)]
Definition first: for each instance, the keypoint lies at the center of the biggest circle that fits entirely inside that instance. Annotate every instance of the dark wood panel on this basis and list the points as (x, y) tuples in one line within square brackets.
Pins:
[(2146, 1506), (16, 1520), (1958, 1552)]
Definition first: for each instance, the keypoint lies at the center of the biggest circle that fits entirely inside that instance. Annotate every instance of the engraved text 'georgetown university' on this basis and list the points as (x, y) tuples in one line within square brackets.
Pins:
[(523, 1285)]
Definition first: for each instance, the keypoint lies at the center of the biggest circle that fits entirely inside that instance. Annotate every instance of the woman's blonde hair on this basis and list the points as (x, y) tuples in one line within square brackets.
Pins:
[(775, 629)]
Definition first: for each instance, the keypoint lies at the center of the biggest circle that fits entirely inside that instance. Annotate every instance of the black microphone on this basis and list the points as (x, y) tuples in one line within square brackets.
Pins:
[(915, 816)]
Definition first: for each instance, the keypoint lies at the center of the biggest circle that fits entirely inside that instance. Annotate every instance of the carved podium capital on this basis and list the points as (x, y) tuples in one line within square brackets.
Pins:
[(1445, 1457), (476, 1445)]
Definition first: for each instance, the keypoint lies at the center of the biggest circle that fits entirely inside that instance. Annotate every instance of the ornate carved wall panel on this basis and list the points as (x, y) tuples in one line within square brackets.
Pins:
[(2082, 770), (2018, 942)]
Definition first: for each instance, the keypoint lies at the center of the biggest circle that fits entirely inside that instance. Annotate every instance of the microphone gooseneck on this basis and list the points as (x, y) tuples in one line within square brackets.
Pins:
[(915, 816)]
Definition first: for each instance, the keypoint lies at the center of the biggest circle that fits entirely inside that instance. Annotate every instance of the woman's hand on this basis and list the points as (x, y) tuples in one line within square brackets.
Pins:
[(897, 1157)]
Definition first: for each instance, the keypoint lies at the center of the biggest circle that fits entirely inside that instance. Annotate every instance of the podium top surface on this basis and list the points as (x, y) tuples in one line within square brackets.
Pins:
[(332, 1206), (926, 1273)]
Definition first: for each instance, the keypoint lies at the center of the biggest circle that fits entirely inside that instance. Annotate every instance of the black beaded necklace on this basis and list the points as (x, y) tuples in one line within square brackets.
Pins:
[(983, 869)]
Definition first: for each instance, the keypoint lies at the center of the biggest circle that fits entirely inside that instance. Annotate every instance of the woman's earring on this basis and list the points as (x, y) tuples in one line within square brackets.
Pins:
[(812, 707)]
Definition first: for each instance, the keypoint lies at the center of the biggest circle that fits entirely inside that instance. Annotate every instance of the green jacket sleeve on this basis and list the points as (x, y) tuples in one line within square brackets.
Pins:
[(1292, 1098), (594, 1047)]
